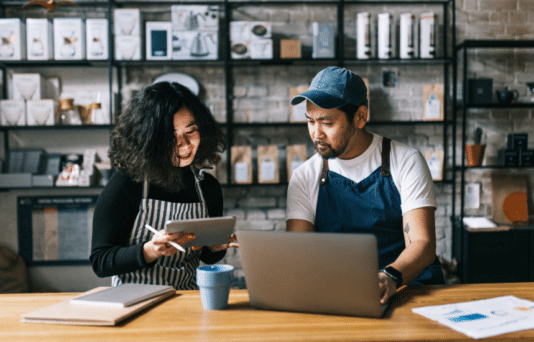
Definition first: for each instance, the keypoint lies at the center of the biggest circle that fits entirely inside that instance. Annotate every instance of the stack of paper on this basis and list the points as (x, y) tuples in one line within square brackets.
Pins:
[(483, 318)]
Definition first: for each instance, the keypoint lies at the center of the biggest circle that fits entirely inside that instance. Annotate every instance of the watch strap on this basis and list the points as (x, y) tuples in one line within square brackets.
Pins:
[(394, 274)]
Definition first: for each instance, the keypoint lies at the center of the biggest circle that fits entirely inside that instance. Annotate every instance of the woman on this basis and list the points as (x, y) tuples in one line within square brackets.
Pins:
[(158, 146)]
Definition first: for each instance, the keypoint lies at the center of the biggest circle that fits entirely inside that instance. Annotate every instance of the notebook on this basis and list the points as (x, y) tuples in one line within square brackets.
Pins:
[(328, 273), (123, 295)]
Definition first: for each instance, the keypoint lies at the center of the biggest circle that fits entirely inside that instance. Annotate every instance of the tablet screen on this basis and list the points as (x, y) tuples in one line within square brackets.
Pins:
[(209, 231)]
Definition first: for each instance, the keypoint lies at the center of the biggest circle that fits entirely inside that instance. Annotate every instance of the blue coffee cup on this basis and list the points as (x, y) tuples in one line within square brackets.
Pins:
[(214, 284)]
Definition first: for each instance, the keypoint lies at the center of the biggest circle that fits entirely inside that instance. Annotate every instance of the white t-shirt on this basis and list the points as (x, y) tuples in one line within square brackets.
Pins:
[(407, 166)]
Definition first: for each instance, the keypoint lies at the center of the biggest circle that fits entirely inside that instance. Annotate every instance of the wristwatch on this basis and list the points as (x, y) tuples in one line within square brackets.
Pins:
[(393, 274)]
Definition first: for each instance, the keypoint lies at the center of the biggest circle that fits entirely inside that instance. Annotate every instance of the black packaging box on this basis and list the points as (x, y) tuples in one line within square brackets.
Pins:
[(479, 90), (517, 141), (527, 158), (508, 157)]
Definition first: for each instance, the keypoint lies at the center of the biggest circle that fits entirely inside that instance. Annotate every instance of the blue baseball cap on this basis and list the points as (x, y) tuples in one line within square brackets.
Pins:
[(334, 87)]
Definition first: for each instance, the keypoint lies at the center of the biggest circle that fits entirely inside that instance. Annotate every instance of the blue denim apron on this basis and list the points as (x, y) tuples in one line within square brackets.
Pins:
[(370, 206)]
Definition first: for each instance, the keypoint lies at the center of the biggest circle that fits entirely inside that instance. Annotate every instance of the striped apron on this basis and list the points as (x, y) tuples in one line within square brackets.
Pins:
[(178, 270)]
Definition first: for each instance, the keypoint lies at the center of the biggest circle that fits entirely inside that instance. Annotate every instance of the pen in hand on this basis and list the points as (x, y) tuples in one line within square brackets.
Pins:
[(172, 243)]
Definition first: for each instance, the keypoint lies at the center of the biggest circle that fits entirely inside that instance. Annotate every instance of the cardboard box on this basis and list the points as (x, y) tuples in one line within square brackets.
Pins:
[(42, 181), (261, 49), (298, 112), (127, 48), (97, 39), (517, 141), (158, 40), (260, 30), (127, 22), (69, 39), (290, 48), (15, 180), (13, 39), (12, 112), (39, 39), (526, 158), (296, 155), (324, 40), (433, 99), (195, 18), (41, 112), (479, 90), (27, 86), (191, 45), (508, 157), (241, 164)]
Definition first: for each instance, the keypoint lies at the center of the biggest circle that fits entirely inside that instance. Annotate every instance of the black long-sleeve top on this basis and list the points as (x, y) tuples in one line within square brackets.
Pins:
[(117, 208)]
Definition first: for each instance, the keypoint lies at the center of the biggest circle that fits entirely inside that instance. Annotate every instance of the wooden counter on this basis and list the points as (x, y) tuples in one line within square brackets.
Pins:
[(181, 318)]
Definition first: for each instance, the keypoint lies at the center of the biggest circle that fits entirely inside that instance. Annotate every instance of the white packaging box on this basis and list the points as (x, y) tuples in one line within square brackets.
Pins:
[(384, 41), (13, 112), (39, 39), (69, 39), (406, 36), (427, 32), (97, 39), (240, 49), (41, 112), (260, 30), (158, 40), (13, 39), (261, 49), (363, 35), (127, 48), (27, 86), (190, 45), (127, 22), (239, 31), (195, 17), (324, 40)]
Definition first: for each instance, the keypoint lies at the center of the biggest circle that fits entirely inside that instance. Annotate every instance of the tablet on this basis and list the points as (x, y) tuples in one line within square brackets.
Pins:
[(209, 231)]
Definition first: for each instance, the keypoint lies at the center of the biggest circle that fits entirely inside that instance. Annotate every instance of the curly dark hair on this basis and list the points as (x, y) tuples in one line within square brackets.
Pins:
[(143, 141)]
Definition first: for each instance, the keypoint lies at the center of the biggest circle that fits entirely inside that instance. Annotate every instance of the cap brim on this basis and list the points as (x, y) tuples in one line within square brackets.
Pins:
[(319, 98)]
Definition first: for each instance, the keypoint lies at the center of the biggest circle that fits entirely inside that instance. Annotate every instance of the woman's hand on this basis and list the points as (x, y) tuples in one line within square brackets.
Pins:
[(387, 287), (159, 245), (218, 248)]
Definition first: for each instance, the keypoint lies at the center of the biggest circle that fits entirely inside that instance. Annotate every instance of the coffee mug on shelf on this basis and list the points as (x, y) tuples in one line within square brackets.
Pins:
[(507, 96)]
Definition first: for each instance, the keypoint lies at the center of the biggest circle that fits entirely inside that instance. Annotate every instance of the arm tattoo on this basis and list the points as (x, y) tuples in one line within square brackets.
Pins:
[(406, 230)]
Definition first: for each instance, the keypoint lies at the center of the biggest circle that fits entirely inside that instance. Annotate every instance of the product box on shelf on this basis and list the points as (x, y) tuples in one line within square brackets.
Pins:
[(188, 45), (384, 36), (433, 99), (479, 90), (259, 30), (240, 39), (268, 164), (427, 35), (41, 112), (127, 48), (158, 40), (517, 141), (13, 112), (127, 22), (97, 39), (406, 36), (241, 164), (298, 112), (13, 36), (69, 39), (15, 180), (39, 39), (508, 157), (27, 86), (363, 35), (290, 48), (324, 38), (261, 49), (42, 181), (526, 158), (195, 17), (296, 155)]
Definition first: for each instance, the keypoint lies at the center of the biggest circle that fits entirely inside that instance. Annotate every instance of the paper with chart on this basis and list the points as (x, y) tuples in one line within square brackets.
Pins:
[(483, 318)]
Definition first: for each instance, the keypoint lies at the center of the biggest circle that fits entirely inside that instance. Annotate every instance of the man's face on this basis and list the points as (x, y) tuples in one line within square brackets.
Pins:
[(331, 132)]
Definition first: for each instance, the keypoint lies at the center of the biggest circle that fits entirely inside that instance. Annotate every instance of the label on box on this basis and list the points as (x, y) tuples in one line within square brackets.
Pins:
[(158, 40)]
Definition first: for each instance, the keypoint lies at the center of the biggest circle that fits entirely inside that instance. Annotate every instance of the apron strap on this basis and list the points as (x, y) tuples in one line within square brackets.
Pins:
[(324, 172), (386, 148), (145, 187)]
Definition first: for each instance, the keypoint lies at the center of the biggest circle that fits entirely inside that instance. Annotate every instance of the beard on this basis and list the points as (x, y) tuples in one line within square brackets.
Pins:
[(327, 151)]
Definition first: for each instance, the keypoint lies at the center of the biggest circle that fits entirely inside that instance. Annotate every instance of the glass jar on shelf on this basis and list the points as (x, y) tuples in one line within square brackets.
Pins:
[(68, 113)]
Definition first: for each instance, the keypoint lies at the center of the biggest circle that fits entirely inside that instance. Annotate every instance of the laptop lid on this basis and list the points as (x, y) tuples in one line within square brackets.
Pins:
[(330, 273)]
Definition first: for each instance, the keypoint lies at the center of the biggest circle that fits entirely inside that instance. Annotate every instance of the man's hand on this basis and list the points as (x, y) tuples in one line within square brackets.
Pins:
[(387, 287)]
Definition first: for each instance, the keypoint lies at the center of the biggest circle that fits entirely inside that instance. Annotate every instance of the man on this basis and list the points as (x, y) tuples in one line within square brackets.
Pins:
[(359, 182)]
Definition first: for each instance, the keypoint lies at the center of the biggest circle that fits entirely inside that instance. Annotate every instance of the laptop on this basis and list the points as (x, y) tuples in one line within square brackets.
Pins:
[(327, 273)]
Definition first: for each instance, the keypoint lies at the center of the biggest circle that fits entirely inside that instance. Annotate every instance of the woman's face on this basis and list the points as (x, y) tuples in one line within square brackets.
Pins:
[(187, 137)]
